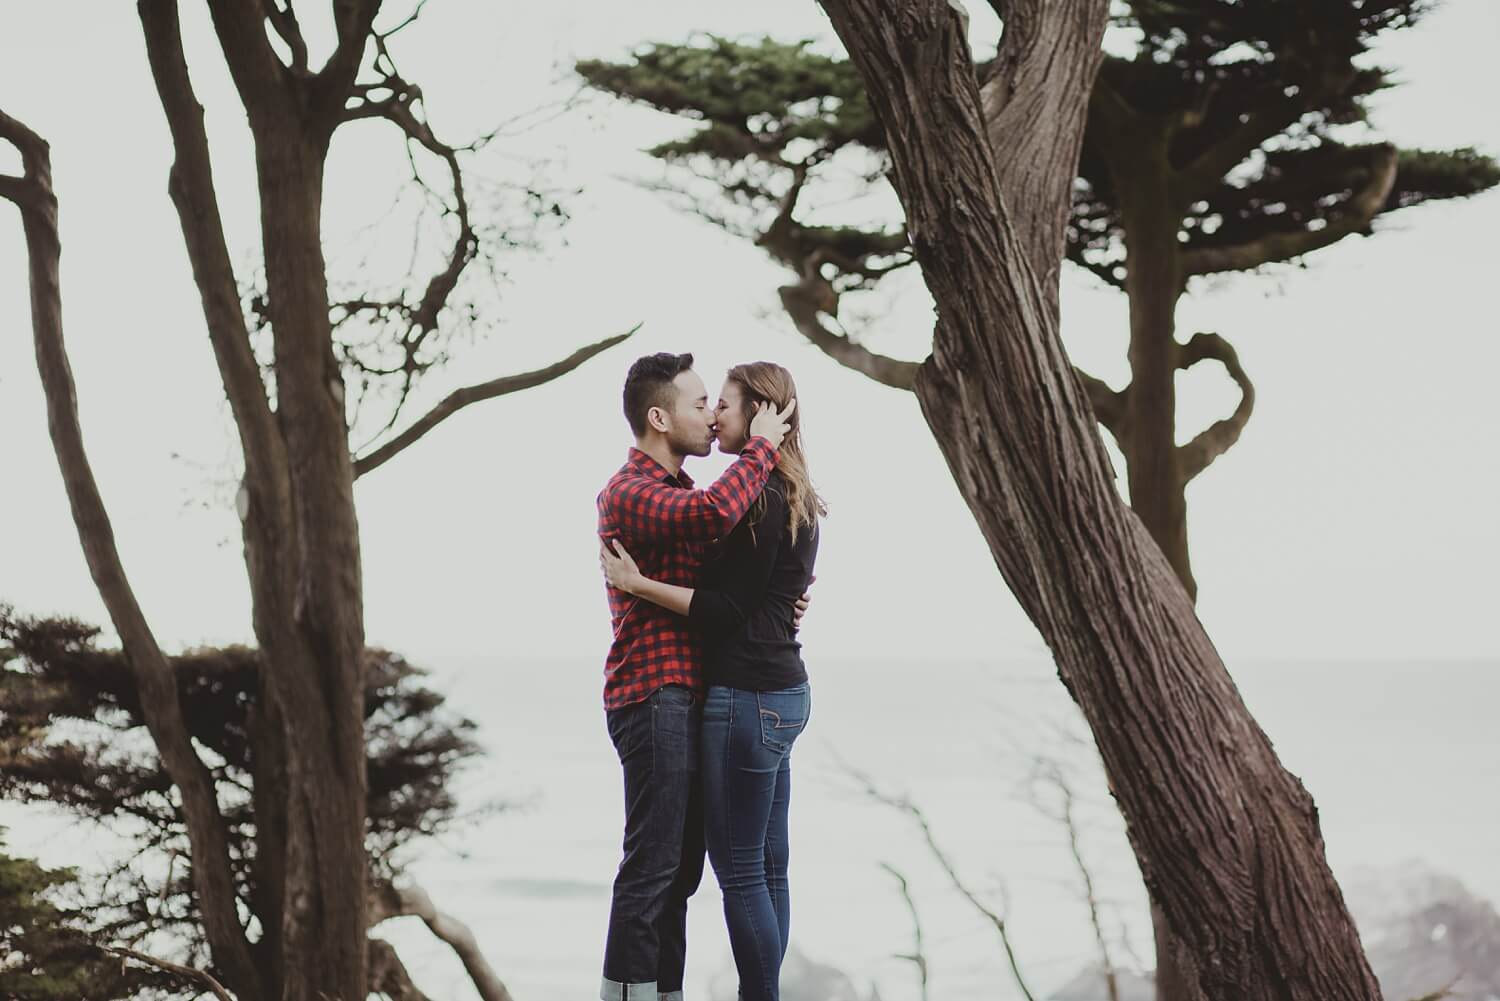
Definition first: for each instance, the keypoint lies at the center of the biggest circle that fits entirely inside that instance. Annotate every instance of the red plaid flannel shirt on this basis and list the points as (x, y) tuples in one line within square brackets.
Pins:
[(666, 526)]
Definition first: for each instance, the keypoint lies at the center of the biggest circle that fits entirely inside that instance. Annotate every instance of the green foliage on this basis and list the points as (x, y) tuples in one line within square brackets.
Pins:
[(1263, 102), (1426, 175), (755, 98), (72, 736), (1265, 107), (773, 114), (45, 954)]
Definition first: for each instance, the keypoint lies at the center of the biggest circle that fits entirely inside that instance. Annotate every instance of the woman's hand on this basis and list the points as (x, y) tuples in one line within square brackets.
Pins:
[(619, 569)]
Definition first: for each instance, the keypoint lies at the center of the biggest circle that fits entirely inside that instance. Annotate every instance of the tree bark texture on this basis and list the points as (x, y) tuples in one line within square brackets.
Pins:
[(300, 531), (212, 879), (1227, 839)]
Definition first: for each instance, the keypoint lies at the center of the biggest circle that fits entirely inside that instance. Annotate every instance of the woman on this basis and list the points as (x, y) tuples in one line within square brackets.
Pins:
[(758, 697)]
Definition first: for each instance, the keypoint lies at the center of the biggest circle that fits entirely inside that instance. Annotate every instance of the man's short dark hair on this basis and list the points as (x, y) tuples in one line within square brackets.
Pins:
[(649, 384)]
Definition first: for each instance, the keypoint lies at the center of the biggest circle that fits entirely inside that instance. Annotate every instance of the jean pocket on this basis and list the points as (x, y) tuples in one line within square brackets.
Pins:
[(674, 697), (781, 720)]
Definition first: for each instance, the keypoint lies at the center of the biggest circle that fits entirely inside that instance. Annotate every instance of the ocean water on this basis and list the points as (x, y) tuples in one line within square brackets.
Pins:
[(1402, 759)]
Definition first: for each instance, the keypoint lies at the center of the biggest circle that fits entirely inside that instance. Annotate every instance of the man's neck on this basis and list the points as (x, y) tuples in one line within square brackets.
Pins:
[(658, 450)]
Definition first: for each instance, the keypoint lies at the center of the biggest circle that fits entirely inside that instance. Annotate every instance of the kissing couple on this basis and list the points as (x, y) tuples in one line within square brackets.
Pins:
[(705, 690)]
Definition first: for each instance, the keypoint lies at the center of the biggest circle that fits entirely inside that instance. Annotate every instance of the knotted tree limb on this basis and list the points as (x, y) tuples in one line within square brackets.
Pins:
[(1219, 437)]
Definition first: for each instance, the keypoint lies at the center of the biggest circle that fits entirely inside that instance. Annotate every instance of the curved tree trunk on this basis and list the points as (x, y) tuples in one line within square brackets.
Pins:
[(1227, 839), (207, 836)]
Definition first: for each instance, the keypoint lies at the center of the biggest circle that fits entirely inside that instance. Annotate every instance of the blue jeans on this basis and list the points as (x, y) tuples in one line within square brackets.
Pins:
[(747, 787), (646, 946)]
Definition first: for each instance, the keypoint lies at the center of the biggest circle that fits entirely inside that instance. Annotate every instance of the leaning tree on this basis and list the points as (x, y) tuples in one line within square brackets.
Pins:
[(1232, 137), (286, 353), (1227, 840), (74, 740)]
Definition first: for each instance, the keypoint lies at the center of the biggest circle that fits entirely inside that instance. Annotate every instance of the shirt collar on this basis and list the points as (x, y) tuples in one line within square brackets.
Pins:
[(643, 462)]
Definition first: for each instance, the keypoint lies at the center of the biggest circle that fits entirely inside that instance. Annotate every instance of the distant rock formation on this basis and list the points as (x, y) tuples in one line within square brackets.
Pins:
[(1423, 931)]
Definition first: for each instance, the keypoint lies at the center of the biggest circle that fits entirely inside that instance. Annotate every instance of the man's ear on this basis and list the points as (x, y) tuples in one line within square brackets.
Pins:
[(656, 417)]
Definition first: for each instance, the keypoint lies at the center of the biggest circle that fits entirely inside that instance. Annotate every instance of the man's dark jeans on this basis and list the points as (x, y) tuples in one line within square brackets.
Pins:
[(657, 741)]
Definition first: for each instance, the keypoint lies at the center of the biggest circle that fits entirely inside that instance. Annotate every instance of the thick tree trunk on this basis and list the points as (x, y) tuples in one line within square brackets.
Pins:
[(318, 688), (1157, 488), (1228, 840)]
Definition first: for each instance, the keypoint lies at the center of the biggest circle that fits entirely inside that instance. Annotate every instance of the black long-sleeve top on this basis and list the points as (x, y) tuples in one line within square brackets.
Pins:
[(743, 604)]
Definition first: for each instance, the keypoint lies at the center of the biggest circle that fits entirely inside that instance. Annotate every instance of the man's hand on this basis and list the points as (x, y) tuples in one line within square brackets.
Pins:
[(771, 424), (799, 607)]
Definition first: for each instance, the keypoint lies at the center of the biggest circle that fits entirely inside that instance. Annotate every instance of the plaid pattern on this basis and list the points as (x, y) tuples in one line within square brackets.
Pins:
[(667, 526)]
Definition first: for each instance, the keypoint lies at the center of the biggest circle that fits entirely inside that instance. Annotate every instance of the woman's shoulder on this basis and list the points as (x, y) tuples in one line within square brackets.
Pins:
[(775, 488)]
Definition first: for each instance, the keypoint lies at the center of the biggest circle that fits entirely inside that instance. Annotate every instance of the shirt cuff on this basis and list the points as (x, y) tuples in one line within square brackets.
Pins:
[(764, 446)]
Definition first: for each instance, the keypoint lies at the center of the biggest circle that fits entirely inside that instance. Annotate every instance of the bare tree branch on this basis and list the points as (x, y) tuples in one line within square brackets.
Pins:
[(1054, 775), (354, 22), (918, 956), (191, 186), (906, 806), (186, 972), (1354, 217), (802, 306), (388, 975), (1445, 991), (17, 189), (1032, 123), (284, 19), (212, 874), (461, 398), (1220, 436), (399, 108), (259, 76), (1109, 405), (389, 901)]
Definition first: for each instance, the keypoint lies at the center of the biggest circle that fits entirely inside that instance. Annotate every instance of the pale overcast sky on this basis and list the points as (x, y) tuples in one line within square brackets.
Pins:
[(1355, 520)]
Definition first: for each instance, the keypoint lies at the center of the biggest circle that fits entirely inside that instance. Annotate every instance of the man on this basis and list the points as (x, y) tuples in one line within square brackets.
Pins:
[(653, 685)]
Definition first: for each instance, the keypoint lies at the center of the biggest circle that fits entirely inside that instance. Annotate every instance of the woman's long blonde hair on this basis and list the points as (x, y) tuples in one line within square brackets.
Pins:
[(767, 382)]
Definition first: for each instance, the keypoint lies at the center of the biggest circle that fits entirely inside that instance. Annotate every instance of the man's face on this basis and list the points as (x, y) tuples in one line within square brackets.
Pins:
[(690, 424)]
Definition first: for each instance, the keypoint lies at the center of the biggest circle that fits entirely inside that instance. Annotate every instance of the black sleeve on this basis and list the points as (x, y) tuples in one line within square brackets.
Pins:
[(743, 577)]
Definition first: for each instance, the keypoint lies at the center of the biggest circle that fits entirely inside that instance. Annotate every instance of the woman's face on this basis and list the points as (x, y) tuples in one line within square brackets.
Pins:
[(729, 418)]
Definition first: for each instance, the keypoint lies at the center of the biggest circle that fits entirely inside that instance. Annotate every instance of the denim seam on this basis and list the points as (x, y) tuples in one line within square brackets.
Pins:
[(765, 977)]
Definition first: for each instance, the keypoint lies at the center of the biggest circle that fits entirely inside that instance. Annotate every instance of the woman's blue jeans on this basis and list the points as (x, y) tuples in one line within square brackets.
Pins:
[(747, 787)]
